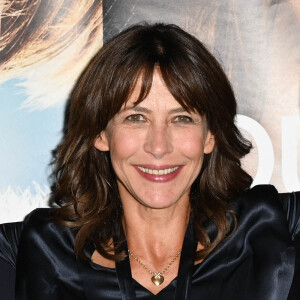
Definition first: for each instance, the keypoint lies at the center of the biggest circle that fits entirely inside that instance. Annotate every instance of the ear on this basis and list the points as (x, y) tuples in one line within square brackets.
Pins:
[(101, 142), (209, 143)]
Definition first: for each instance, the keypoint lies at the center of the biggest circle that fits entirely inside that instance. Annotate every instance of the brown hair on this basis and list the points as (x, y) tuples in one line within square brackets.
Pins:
[(85, 182)]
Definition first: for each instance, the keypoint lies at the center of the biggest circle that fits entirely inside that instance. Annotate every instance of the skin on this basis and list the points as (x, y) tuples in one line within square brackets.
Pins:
[(156, 134)]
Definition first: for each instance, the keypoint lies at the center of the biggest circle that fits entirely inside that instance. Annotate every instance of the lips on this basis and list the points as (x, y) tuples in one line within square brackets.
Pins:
[(159, 174)]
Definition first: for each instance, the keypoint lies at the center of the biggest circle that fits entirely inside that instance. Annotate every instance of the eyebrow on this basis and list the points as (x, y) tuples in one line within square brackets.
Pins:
[(146, 110)]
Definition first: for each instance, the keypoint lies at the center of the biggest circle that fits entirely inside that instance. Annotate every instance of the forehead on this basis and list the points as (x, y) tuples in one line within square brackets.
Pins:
[(157, 83), (156, 94)]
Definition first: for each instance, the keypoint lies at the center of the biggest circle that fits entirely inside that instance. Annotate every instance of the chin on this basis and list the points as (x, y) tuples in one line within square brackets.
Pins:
[(160, 203)]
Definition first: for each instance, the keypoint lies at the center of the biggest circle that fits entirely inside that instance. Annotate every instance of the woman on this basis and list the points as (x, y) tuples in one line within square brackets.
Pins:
[(153, 197)]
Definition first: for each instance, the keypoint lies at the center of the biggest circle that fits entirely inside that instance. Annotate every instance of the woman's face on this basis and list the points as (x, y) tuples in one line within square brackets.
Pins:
[(156, 147)]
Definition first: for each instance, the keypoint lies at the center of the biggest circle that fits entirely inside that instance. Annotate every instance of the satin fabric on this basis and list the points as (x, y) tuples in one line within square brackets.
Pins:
[(9, 240), (256, 262)]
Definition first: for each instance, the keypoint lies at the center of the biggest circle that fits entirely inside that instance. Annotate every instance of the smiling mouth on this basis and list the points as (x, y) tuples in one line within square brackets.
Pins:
[(158, 172)]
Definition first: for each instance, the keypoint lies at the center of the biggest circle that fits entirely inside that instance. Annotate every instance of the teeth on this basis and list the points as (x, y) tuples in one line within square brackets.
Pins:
[(158, 172)]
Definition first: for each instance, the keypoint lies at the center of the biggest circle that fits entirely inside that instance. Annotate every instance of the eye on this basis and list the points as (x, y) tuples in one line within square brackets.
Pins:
[(136, 118), (183, 119)]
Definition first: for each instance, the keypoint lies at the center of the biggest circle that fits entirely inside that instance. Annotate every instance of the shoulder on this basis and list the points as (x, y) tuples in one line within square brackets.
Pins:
[(259, 196), (264, 200), (39, 229), (39, 214), (46, 259), (41, 221), (44, 243), (10, 233), (262, 192), (261, 235), (259, 212)]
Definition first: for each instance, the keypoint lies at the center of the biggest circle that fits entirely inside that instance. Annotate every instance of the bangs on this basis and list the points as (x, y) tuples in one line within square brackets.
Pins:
[(188, 92), (182, 73), (189, 71)]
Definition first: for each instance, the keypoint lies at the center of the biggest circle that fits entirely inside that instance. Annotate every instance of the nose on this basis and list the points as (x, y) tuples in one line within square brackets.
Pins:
[(158, 141)]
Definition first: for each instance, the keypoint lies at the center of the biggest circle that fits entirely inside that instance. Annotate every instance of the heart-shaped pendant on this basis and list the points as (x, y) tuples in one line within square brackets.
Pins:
[(157, 279)]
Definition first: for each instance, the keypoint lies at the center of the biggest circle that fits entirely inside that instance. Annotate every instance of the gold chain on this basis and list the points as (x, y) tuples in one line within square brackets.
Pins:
[(150, 271)]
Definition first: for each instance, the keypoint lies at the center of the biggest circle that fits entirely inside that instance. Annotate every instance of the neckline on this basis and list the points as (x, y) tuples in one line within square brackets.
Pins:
[(185, 271), (165, 289), (101, 267), (171, 285)]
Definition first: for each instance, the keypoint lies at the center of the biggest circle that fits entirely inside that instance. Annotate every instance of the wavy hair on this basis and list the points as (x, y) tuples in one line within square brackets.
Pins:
[(86, 186)]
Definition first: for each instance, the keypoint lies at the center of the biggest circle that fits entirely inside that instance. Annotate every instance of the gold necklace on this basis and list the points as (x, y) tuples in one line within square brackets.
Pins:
[(157, 277)]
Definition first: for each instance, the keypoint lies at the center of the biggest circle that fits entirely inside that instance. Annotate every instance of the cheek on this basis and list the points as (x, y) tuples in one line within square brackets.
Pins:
[(191, 144), (123, 145)]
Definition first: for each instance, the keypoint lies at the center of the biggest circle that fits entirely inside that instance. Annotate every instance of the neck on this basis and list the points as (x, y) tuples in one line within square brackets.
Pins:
[(155, 233)]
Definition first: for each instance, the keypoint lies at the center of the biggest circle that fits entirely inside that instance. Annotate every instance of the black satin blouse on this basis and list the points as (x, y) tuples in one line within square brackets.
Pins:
[(256, 262)]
